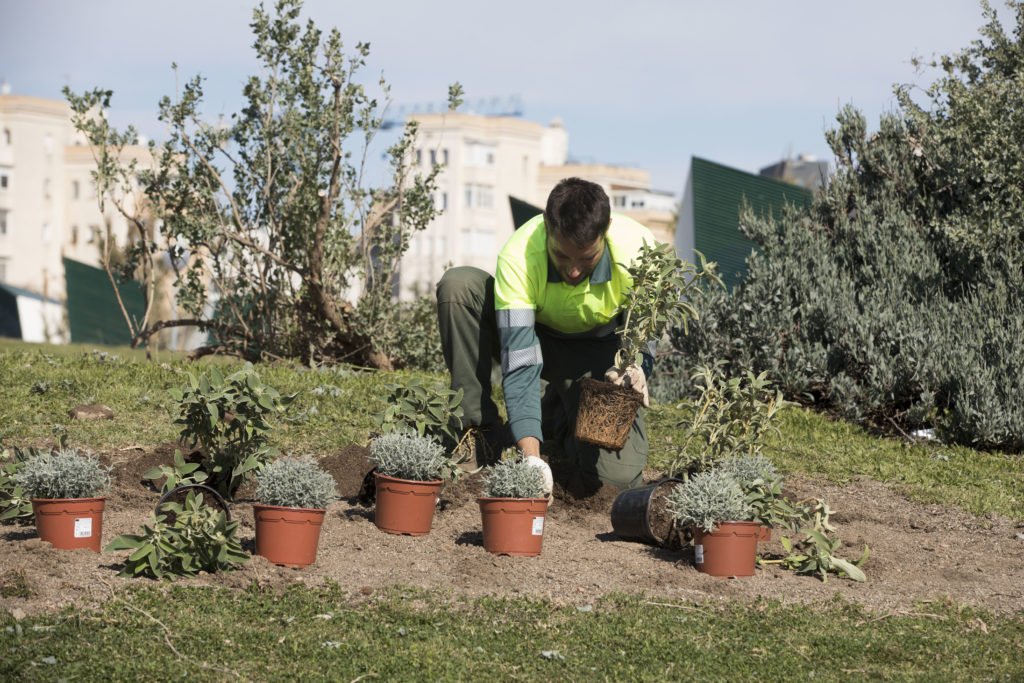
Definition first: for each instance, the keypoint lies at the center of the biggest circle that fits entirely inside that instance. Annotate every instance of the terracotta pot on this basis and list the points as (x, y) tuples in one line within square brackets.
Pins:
[(288, 536), (70, 523), (405, 506), (513, 526), (764, 534), (606, 413), (729, 550)]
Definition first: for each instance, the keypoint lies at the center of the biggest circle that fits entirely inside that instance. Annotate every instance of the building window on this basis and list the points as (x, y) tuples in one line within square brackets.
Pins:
[(7, 137), (3, 223), (4, 181), (479, 154), (94, 231), (619, 201), (3, 268), (433, 158), (444, 157), (478, 242), (479, 196), (74, 235), (419, 157), (46, 188), (76, 189)]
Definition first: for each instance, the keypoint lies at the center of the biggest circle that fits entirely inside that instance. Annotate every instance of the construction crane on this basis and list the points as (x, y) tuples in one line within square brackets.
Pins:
[(488, 106)]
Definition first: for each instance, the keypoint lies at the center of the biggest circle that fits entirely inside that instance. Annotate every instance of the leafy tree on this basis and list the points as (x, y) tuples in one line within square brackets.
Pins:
[(278, 246), (897, 299)]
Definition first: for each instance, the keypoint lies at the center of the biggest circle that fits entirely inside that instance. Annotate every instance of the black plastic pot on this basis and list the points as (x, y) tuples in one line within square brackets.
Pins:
[(631, 513)]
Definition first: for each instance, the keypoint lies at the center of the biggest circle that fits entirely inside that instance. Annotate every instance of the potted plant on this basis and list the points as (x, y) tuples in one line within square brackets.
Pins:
[(724, 537), (641, 514), (65, 488), (408, 474), (513, 508), (294, 494), (656, 300), (762, 488)]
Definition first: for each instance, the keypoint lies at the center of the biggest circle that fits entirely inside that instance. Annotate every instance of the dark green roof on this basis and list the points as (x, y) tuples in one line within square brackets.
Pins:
[(94, 316), (718, 194)]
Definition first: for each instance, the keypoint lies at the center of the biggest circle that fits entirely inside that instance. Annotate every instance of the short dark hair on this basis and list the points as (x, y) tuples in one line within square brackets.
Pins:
[(577, 210)]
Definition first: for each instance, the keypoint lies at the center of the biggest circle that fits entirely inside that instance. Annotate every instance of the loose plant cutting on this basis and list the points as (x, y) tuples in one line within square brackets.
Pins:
[(657, 300), (813, 548), (724, 537), (294, 494), (229, 419), (513, 508), (64, 487), (182, 539), (15, 503), (409, 471)]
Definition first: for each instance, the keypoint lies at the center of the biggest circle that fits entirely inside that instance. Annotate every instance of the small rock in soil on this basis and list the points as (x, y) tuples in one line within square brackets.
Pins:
[(93, 411)]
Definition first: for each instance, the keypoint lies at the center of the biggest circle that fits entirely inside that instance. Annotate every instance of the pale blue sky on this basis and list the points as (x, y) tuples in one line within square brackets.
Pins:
[(741, 83)]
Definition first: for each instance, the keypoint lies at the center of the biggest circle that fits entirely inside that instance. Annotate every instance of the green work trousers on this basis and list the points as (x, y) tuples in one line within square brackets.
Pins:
[(471, 346)]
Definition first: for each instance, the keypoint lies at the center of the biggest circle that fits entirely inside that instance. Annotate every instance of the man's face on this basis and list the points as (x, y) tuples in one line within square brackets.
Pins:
[(574, 263)]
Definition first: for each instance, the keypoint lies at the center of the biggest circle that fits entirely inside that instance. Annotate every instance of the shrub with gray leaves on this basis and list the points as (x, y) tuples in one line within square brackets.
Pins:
[(748, 469), (408, 456), (295, 483), (63, 474), (514, 479), (707, 499)]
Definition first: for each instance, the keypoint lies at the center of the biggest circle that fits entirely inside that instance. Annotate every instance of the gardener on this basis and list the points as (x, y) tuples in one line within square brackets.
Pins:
[(549, 315)]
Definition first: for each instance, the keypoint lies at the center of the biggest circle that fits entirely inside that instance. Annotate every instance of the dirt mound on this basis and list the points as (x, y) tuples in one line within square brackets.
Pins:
[(918, 552)]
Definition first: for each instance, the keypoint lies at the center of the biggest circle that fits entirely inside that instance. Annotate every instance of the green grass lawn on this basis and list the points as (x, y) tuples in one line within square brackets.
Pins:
[(325, 634)]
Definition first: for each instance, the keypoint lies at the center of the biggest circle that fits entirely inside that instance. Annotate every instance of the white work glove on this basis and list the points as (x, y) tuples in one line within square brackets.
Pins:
[(632, 377), (545, 472)]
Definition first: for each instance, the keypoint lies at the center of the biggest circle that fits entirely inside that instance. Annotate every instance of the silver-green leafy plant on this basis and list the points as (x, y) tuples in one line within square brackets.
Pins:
[(730, 418), (229, 418), (64, 473), (295, 483), (15, 502), (707, 499), (658, 299), (514, 478), (409, 456), (762, 486), (182, 539), (179, 473)]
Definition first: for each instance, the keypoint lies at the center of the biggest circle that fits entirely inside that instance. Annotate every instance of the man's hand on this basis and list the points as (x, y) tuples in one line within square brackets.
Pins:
[(545, 472), (631, 377)]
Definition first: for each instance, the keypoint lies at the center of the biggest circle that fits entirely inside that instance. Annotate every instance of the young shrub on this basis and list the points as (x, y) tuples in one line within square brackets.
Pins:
[(730, 418), (514, 478), (707, 499), (658, 299), (182, 540), (408, 456), (295, 483), (229, 419), (424, 407), (65, 473)]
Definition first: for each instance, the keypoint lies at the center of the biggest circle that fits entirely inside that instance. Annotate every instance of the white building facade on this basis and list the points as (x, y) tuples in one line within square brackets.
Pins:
[(486, 160)]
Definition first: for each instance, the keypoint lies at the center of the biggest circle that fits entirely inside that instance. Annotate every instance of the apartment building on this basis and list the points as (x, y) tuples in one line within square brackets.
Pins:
[(48, 204), (486, 160)]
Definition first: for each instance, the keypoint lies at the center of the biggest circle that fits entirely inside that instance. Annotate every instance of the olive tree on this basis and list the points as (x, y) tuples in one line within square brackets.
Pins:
[(277, 245)]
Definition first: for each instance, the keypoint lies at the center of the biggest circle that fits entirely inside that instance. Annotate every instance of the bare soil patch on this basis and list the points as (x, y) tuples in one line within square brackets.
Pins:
[(918, 552)]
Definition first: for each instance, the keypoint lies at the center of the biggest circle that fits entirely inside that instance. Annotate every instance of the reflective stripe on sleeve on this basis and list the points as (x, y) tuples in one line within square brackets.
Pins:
[(515, 317), (520, 358)]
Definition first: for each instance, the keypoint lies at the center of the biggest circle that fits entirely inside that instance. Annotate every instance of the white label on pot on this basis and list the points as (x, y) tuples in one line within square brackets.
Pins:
[(538, 526), (698, 554), (83, 527)]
